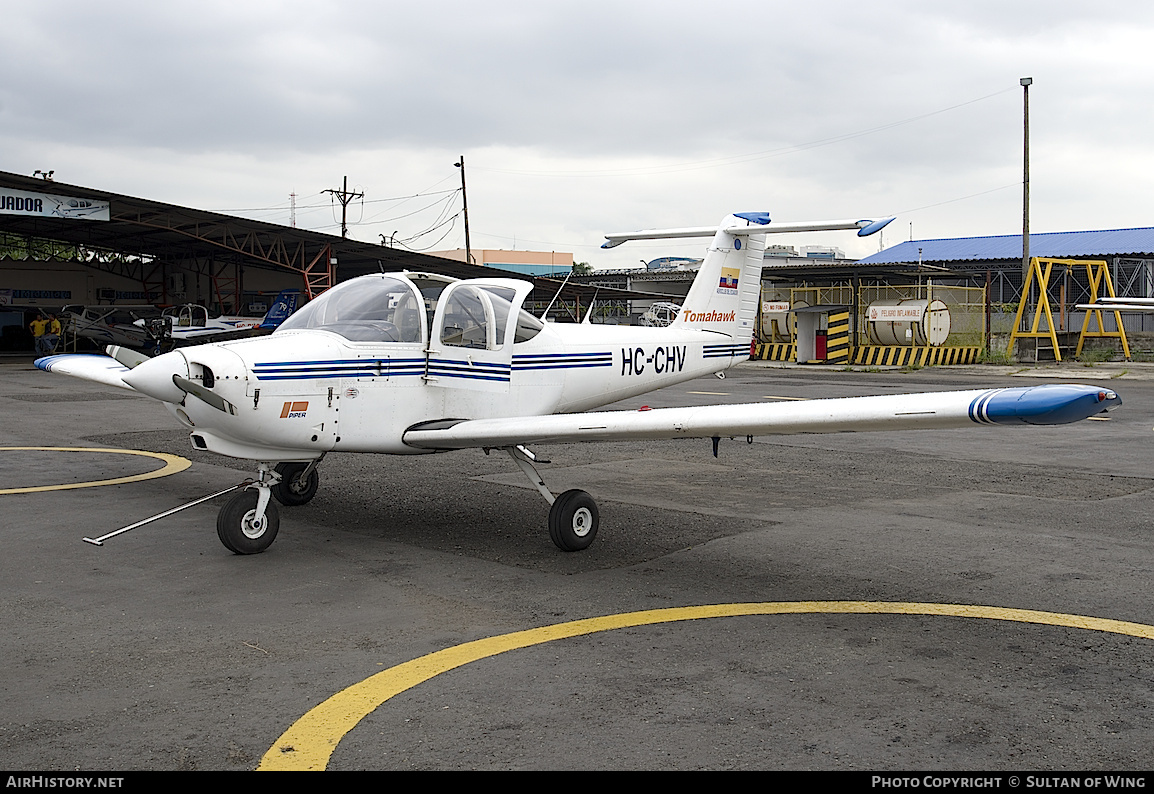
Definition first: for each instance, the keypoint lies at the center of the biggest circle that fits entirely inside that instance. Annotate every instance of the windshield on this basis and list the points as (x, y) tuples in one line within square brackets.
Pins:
[(374, 309)]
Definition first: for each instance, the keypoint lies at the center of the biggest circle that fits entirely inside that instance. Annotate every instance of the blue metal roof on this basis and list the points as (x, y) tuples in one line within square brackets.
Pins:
[(1110, 242)]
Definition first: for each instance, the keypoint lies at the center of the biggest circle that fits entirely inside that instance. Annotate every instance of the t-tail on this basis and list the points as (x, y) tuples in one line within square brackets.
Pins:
[(726, 293)]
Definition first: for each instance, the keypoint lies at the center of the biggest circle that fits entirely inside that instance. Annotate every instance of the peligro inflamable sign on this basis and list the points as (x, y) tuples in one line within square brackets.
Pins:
[(909, 313)]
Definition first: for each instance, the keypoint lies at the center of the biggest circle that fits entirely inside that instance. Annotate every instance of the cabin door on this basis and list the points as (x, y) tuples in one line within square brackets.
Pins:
[(471, 344)]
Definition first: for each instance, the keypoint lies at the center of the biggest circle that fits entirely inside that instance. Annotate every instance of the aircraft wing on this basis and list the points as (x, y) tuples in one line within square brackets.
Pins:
[(101, 369), (1116, 307), (1035, 405)]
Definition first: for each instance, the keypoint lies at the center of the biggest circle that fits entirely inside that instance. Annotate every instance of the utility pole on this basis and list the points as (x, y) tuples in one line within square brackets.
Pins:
[(344, 197), (465, 202), (1025, 83)]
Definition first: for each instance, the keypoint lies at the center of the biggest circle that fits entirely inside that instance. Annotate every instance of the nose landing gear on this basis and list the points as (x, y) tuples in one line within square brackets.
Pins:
[(244, 526), (248, 523)]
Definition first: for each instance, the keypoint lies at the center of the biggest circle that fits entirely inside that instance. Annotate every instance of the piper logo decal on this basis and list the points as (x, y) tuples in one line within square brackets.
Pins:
[(293, 410)]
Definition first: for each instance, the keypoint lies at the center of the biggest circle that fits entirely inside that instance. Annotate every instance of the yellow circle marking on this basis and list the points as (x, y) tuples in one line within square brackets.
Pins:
[(172, 464), (310, 741)]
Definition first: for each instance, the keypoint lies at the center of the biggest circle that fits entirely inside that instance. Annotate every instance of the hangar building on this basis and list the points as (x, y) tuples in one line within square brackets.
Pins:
[(68, 244)]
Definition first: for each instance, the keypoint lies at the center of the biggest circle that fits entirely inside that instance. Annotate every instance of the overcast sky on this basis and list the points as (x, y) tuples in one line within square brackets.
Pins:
[(577, 119)]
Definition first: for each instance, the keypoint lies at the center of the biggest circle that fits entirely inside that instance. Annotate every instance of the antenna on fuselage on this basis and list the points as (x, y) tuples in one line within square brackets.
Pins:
[(545, 313), (592, 303)]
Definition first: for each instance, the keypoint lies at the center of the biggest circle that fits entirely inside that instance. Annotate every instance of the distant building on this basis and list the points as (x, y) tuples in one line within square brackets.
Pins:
[(673, 263), (822, 252), (1130, 253), (530, 263)]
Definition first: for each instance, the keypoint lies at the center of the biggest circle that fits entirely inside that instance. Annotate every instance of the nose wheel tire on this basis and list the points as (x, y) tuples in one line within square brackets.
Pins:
[(573, 521), (238, 529), (292, 491)]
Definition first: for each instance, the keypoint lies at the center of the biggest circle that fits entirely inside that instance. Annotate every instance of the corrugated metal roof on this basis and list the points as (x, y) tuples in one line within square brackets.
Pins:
[(1108, 242)]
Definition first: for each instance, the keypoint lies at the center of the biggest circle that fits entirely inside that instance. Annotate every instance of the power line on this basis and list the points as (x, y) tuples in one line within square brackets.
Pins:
[(743, 158)]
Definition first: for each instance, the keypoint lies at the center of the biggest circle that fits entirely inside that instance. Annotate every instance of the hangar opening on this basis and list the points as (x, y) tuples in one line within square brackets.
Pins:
[(63, 244)]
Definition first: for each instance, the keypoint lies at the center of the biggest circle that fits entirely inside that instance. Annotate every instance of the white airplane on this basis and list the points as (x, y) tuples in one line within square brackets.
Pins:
[(190, 324), (77, 208), (416, 363)]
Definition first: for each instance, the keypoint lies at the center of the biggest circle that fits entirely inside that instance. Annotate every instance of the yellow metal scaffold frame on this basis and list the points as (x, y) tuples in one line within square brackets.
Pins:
[(1098, 276)]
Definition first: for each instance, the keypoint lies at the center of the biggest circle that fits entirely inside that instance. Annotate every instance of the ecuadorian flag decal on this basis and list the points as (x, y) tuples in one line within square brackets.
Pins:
[(728, 282)]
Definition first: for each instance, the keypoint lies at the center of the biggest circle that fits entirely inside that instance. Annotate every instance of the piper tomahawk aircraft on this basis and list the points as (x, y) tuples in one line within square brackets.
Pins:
[(416, 363)]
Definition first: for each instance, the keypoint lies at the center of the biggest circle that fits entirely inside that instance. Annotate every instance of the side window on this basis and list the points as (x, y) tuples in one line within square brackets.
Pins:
[(528, 327), (502, 299), (469, 320)]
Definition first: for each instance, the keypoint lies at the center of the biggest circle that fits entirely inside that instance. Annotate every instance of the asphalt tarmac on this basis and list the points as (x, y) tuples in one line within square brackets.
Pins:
[(162, 650)]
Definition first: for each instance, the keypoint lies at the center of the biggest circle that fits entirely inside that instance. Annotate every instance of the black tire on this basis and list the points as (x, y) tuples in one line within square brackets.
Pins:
[(291, 491), (235, 529), (573, 521)]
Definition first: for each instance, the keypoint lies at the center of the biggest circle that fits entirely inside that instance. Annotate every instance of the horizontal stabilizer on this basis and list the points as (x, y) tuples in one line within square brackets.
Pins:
[(1035, 405), (759, 223)]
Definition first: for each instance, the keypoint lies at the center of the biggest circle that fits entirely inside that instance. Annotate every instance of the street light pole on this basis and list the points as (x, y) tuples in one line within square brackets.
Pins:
[(1025, 83)]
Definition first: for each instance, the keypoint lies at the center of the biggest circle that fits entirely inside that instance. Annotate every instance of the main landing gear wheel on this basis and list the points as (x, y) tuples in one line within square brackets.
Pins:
[(573, 521), (292, 491), (238, 529)]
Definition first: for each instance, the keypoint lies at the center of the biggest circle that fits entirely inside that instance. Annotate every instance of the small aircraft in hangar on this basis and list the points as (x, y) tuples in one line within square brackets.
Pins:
[(416, 363), (190, 324), (175, 326)]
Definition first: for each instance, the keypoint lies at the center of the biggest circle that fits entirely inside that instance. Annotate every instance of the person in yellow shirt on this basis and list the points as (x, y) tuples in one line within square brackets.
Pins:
[(39, 326), (51, 334)]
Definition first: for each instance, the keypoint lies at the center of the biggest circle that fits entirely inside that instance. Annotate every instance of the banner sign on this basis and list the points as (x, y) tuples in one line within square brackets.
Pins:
[(775, 307), (46, 205), (911, 313)]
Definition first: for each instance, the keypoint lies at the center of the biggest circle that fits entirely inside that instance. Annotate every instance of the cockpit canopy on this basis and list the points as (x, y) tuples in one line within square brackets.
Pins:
[(377, 309), (391, 309)]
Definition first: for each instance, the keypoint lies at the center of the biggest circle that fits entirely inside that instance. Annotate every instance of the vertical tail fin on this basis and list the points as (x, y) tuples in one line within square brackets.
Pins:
[(725, 294), (284, 305)]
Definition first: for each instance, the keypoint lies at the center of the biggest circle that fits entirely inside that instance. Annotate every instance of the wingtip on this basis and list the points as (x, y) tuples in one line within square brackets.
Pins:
[(872, 227)]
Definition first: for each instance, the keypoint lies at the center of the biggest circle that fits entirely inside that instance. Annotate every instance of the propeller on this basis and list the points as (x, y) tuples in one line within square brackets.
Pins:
[(198, 391), (127, 357)]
